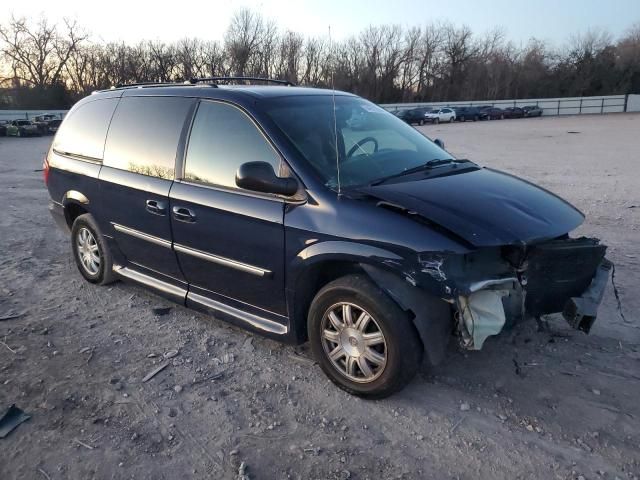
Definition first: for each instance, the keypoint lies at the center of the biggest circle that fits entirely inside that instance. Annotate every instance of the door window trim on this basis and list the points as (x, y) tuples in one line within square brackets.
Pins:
[(181, 163)]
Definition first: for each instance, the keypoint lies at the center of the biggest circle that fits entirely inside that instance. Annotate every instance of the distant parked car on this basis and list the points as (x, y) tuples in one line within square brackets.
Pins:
[(22, 128), (438, 115), (54, 125), (47, 123), (492, 113), (414, 115), (513, 112), (3, 128), (532, 111), (468, 113)]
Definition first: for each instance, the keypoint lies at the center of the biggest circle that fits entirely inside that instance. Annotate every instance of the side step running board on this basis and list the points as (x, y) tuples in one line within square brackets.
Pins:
[(179, 295), (243, 317)]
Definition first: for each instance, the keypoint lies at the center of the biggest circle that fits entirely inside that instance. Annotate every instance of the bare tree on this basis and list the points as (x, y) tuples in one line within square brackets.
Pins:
[(38, 54), (383, 63)]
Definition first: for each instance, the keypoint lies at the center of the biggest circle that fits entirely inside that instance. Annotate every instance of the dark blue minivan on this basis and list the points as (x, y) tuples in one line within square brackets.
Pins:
[(309, 214)]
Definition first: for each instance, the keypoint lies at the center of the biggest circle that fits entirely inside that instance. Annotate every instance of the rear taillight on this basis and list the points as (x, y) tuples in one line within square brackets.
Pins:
[(45, 170)]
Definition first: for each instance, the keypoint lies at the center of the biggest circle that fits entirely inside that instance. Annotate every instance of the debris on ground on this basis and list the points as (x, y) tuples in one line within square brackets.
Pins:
[(301, 359), (242, 471), (154, 372), (11, 419), (169, 354), (11, 316)]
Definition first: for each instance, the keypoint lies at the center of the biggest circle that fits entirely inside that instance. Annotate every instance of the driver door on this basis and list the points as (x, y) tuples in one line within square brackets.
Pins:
[(229, 241)]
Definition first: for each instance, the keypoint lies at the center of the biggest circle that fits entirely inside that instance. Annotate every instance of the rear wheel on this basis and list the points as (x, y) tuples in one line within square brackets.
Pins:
[(90, 251), (362, 340)]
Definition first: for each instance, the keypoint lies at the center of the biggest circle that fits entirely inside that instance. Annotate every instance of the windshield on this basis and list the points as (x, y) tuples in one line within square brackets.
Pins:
[(371, 142)]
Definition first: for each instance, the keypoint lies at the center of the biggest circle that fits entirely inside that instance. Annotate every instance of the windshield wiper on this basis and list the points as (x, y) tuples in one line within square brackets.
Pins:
[(426, 166)]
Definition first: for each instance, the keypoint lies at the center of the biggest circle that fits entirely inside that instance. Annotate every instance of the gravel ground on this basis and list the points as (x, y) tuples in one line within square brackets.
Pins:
[(555, 404)]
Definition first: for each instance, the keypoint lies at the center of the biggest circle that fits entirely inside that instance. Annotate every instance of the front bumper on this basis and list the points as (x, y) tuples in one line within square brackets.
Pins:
[(581, 311), (566, 275)]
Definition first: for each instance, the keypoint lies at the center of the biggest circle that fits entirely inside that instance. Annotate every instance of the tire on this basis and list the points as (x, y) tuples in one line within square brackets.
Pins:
[(436, 121), (86, 235), (395, 359), (451, 120)]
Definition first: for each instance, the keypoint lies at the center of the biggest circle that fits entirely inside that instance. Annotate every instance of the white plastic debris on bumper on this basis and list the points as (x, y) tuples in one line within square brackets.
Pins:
[(481, 315)]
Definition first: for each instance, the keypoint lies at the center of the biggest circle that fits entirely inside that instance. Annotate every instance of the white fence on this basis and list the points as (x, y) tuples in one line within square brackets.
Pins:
[(550, 106), (28, 114)]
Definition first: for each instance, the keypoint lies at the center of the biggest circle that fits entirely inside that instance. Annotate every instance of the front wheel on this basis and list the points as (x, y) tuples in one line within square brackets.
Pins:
[(362, 340), (90, 251), (451, 120)]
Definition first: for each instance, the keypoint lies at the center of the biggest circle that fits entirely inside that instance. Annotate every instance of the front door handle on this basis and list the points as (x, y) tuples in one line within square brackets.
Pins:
[(156, 207), (183, 214)]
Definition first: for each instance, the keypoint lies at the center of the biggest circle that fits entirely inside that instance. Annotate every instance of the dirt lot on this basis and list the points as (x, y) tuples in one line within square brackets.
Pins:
[(549, 405)]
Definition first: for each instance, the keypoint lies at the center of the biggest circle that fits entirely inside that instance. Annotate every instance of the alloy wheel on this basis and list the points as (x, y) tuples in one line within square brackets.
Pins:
[(88, 251), (354, 342)]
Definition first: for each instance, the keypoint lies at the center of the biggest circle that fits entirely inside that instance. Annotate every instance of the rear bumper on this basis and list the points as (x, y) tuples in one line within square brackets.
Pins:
[(57, 213)]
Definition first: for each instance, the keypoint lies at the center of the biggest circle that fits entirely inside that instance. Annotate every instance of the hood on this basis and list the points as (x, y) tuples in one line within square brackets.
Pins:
[(485, 207)]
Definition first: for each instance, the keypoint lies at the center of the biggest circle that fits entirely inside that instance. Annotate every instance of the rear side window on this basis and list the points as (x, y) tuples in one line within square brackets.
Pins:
[(223, 138), (84, 129), (144, 135)]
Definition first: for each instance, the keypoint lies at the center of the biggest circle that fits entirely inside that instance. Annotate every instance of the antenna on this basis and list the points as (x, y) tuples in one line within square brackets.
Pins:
[(335, 121)]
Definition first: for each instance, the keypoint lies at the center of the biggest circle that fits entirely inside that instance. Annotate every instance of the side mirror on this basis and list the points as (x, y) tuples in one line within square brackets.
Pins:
[(439, 142), (260, 177)]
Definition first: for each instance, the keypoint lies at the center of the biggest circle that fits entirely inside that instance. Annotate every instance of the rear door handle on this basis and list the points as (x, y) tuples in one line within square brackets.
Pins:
[(156, 207), (183, 214)]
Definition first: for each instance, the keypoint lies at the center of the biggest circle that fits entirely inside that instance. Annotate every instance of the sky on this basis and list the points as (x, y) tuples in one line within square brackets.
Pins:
[(551, 20)]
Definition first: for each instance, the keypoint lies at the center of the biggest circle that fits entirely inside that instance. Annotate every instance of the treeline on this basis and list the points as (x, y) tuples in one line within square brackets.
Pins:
[(49, 66)]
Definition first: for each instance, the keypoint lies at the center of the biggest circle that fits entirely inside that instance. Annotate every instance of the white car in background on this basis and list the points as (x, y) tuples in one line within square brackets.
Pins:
[(438, 115)]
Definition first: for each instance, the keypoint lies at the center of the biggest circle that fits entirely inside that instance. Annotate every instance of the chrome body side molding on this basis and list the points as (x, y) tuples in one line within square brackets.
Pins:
[(227, 262), (141, 235)]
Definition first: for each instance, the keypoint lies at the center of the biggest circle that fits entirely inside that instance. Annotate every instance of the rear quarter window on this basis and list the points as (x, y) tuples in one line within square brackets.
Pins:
[(144, 135), (84, 129)]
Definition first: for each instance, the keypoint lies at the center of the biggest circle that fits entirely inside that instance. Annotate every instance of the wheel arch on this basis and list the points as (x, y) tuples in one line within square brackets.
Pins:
[(321, 263), (75, 204)]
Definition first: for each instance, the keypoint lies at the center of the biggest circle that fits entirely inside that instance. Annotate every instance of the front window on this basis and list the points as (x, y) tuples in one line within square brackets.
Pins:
[(370, 143)]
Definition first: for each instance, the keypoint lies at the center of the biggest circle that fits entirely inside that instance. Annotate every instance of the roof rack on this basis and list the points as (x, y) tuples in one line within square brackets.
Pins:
[(239, 79), (151, 84)]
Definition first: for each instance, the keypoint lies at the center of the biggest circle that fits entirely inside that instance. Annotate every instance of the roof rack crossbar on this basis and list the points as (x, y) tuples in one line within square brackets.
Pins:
[(154, 84), (248, 79)]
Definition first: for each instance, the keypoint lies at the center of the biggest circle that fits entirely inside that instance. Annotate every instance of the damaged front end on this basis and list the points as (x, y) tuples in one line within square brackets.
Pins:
[(494, 287)]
